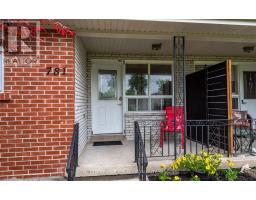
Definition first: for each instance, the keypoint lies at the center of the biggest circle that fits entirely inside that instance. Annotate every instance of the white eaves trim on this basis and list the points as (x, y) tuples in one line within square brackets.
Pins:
[(208, 21)]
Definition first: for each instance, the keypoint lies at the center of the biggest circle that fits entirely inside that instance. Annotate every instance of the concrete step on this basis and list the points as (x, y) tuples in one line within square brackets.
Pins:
[(107, 137), (92, 170), (129, 177)]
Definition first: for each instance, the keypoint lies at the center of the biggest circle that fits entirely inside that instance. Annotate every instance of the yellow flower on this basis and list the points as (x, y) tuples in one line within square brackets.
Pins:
[(208, 167), (174, 166), (230, 164), (184, 158), (198, 158), (206, 161), (163, 166), (178, 161), (213, 171), (176, 178), (195, 178), (219, 155)]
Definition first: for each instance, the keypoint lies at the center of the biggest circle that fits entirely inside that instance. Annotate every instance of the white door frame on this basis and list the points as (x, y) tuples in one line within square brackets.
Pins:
[(107, 64)]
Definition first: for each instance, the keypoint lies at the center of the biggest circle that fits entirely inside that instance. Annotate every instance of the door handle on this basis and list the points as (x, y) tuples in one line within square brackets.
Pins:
[(120, 99)]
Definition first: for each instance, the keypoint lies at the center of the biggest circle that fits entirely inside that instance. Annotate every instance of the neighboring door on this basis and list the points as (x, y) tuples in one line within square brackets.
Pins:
[(106, 99), (248, 89)]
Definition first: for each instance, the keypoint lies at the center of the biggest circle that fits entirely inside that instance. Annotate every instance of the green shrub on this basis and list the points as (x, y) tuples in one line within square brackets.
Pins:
[(230, 173)]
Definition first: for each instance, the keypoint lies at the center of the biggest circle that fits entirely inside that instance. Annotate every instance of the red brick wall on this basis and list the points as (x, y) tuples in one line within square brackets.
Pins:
[(37, 113)]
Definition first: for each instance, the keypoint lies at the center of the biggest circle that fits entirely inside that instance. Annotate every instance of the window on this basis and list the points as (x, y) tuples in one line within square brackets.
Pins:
[(107, 84), (136, 80), (1, 71), (148, 87), (235, 95), (234, 80), (249, 85), (160, 80)]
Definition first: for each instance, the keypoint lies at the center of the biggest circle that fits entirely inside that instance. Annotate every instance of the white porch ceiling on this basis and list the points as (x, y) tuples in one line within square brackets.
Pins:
[(136, 36), (143, 47)]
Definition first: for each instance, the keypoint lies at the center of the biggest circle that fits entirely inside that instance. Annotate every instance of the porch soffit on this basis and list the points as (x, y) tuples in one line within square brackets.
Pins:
[(126, 37), (141, 47), (139, 29)]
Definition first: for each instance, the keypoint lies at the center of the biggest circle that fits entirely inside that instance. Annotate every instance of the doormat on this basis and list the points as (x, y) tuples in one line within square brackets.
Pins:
[(107, 143)]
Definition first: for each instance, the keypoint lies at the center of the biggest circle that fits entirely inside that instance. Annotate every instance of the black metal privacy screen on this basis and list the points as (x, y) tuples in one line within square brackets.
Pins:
[(207, 107)]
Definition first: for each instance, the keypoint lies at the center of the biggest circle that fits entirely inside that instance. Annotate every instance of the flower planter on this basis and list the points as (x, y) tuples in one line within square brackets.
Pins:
[(186, 176)]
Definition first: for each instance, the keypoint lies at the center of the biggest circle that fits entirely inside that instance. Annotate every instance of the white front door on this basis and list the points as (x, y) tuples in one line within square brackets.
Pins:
[(248, 89), (106, 99)]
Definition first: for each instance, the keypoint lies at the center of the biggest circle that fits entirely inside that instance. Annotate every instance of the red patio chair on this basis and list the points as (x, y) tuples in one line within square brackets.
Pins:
[(168, 125)]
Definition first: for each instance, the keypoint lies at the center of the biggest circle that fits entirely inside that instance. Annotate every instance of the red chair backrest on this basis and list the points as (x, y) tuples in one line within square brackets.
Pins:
[(169, 114)]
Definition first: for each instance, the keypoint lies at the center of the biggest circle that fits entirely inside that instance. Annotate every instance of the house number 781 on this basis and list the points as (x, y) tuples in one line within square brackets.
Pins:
[(56, 71)]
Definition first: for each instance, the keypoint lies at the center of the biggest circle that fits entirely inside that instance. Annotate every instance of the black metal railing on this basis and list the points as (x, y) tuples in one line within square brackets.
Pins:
[(157, 143), (72, 161), (140, 154), (212, 136)]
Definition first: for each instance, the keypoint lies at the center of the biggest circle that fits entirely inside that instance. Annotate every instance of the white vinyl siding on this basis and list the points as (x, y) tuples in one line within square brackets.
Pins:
[(81, 93)]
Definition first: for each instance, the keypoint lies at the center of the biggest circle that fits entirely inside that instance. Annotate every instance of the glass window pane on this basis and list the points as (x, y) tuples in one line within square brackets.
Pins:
[(136, 79), (234, 80), (167, 102), (235, 103), (131, 104), (249, 85), (155, 104), (142, 104), (161, 79), (107, 84)]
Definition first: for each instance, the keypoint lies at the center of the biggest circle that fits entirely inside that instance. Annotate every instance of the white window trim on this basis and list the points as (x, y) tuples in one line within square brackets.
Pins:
[(1, 70), (125, 99)]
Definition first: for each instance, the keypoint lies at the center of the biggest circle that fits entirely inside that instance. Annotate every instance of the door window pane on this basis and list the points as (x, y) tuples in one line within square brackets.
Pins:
[(249, 85), (160, 80), (107, 80), (136, 79)]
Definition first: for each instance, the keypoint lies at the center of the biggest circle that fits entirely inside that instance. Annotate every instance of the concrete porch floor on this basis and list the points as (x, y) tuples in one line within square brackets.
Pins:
[(113, 160), (119, 160), (107, 160)]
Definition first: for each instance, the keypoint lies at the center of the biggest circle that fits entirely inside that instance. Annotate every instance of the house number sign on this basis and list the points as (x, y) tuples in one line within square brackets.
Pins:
[(56, 71)]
